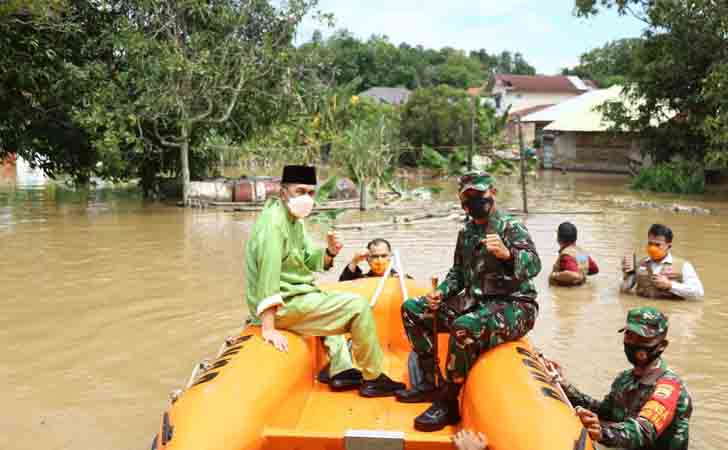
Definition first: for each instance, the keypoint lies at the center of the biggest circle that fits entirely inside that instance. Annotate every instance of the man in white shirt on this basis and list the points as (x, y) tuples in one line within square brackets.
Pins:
[(660, 274)]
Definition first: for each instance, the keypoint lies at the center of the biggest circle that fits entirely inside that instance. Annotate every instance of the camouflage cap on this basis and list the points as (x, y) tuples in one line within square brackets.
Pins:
[(479, 181), (646, 321)]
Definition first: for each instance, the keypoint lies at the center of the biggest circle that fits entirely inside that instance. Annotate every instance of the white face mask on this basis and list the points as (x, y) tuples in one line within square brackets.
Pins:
[(300, 206)]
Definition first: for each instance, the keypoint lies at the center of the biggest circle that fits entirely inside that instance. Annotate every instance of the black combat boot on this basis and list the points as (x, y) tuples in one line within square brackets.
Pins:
[(382, 386), (425, 391), (443, 412)]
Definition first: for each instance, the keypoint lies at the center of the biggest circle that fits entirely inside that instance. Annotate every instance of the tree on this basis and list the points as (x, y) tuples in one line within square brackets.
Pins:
[(607, 65), (436, 117), (369, 148), (42, 53), (680, 67), (184, 68)]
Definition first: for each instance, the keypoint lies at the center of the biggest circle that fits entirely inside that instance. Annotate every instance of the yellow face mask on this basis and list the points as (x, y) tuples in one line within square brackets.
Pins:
[(656, 253), (379, 266)]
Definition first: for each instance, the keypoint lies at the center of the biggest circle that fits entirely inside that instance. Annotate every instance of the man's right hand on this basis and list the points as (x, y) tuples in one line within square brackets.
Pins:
[(433, 299), (627, 265), (359, 257), (276, 338), (555, 367)]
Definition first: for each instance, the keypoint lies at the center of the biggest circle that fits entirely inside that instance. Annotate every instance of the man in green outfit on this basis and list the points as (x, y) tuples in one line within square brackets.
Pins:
[(281, 293), (649, 406), (486, 299)]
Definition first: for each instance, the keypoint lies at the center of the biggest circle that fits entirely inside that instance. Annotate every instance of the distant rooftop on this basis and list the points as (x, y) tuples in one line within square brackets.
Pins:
[(545, 83), (390, 95)]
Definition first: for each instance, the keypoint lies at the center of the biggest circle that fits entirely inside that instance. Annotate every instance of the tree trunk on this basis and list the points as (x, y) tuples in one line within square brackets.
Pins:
[(185, 163)]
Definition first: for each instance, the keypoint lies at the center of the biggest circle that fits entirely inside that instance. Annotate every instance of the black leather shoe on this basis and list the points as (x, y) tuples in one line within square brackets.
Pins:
[(323, 375), (382, 386), (346, 380), (417, 394)]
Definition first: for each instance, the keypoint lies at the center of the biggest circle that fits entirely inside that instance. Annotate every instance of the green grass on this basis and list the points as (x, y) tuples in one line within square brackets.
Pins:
[(683, 177)]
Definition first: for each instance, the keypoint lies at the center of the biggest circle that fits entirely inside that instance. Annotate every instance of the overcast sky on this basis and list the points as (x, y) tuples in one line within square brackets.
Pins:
[(544, 31)]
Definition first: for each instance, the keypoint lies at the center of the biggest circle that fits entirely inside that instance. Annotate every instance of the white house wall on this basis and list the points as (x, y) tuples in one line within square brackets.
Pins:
[(522, 100)]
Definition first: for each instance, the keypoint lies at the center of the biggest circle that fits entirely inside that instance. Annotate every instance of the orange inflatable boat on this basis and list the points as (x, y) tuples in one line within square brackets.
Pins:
[(253, 397)]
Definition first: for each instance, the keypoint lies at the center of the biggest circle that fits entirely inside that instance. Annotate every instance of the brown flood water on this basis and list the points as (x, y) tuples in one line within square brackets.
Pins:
[(107, 302)]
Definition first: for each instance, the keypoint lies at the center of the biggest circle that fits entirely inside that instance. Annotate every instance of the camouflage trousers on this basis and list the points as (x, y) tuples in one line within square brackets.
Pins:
[(472, 333)]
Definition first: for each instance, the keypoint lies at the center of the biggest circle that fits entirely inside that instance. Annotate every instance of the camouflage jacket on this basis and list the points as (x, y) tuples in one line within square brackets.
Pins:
[(647, 413), (477, 275)]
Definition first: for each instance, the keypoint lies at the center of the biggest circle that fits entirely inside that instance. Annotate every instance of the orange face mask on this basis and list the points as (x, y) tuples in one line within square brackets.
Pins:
[(379, 266), (656, 253)]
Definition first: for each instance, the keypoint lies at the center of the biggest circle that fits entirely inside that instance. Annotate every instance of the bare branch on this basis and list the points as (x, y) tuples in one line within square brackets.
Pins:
[(164, 140), (204, 115)]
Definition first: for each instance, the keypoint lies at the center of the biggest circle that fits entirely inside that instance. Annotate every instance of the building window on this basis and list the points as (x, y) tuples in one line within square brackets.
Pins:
[(498, 99)]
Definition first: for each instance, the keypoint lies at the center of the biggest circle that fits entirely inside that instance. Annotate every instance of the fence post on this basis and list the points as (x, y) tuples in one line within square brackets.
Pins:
[(523, 165)]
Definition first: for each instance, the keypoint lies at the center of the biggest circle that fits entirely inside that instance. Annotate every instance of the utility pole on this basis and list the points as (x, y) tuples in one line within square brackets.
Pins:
[(472, 133), (523, 165)]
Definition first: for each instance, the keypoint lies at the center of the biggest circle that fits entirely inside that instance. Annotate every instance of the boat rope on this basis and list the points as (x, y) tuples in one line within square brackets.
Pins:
[(400, 269), (556, 378), (378, 292)]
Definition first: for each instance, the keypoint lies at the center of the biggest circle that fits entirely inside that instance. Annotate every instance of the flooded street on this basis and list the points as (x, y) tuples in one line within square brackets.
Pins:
[(108, 302)]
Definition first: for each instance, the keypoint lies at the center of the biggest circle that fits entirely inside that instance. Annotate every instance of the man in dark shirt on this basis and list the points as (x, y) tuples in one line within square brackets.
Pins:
[(378, 255)]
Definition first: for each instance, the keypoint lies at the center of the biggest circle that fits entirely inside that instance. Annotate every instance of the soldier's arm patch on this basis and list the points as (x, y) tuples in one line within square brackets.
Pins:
[(660, 408)]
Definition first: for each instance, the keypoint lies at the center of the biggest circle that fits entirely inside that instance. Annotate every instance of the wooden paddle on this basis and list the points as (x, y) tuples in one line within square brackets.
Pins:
[(435, 350)]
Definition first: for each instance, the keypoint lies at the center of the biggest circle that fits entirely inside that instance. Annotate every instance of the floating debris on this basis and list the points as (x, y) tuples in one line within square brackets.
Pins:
[(674, 207)]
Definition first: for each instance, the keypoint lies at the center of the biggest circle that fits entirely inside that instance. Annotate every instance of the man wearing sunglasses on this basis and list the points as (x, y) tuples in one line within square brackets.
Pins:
[(660, 274)]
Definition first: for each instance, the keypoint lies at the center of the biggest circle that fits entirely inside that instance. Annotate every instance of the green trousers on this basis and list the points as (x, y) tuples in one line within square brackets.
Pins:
[(332, 314)]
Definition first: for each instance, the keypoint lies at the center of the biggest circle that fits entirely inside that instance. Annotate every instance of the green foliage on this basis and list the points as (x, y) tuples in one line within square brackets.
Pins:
[(608, 65), (369, 148), (343, 59), (683, 177), (442, 117), (437, 117), (326, 191), (432, 159), (680, 66), (326, 217), (505, 62)]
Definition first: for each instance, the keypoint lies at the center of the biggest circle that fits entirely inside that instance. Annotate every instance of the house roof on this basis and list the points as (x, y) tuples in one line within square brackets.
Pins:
[(545, 83), (575, 104), (526, 111), (393, 96), (584, 115)]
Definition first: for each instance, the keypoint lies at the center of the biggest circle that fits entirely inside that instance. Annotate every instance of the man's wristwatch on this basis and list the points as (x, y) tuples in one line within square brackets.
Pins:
[(328, 252)]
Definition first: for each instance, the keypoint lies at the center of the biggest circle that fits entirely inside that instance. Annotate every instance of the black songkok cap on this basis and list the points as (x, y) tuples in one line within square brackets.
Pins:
[(299, 175)]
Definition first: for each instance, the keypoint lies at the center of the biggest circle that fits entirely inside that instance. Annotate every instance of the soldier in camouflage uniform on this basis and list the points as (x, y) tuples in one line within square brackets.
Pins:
[(486, 299), (649, 406)]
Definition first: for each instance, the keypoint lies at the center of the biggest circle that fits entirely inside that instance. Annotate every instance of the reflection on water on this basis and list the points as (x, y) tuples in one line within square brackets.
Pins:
[(108, 302)]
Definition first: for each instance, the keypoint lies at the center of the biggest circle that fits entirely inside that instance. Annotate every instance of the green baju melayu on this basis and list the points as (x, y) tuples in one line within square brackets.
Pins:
[(279, 272)]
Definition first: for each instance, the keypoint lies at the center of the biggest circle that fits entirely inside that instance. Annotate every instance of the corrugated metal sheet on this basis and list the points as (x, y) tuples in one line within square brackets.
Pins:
[(575, 106)]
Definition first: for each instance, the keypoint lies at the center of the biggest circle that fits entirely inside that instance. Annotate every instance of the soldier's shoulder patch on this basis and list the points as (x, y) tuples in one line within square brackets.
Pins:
[(666, 389)]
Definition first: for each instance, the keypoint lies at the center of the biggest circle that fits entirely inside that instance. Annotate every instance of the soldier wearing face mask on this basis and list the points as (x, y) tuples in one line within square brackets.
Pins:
[(660, 274), (281, 292), (649, 406), (487, 298)]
